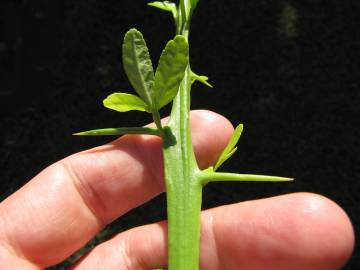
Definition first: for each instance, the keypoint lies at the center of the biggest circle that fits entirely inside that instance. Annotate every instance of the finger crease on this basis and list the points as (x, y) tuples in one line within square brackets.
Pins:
[(130, 261), (215, 238), (88, 194), (152, 170)]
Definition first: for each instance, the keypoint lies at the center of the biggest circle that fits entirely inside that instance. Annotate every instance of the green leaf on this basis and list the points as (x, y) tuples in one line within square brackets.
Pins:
[(119, 131), (170, 71), (201, 78), (165, 5), (138, 65), (123, 102), (231, 148)]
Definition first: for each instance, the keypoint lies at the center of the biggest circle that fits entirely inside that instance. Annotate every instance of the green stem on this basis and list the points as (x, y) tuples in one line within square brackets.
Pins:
[(184, 207), (157, 120), (184, 180), (183, 188)]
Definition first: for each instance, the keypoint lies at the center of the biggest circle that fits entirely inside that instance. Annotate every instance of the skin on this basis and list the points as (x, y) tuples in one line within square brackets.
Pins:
[(65, 205)]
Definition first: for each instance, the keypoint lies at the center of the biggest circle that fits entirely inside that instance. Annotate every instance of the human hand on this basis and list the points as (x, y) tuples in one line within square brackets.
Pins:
[(64, 206)]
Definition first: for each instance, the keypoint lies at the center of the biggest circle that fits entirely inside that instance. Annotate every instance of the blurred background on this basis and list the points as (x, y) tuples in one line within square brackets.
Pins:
[(288, 70)]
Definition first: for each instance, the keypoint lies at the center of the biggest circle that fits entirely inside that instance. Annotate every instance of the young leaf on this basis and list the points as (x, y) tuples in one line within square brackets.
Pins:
[(138, 65), (170, 71), (201, 78), (123, 102), (165, 5), (119, 131), (230, 149)]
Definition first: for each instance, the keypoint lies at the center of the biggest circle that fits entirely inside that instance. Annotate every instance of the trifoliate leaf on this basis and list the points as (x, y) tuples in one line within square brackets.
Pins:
[(230, 149), (170, 71), (165, 5), (138, 65), (123, 102)]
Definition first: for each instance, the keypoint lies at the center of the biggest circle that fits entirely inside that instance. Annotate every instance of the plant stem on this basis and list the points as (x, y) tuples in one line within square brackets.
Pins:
[(183, 188), (157, 121), (183, 178)]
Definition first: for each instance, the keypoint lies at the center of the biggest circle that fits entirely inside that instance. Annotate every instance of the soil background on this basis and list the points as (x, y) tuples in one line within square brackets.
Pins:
[(288, 70)]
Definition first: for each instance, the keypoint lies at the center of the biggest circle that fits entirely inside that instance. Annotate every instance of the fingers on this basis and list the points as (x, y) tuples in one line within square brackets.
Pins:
[(297, 231), (68, 203)]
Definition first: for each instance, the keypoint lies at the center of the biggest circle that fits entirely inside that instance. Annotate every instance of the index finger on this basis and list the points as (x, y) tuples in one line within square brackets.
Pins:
[(69, 202)]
